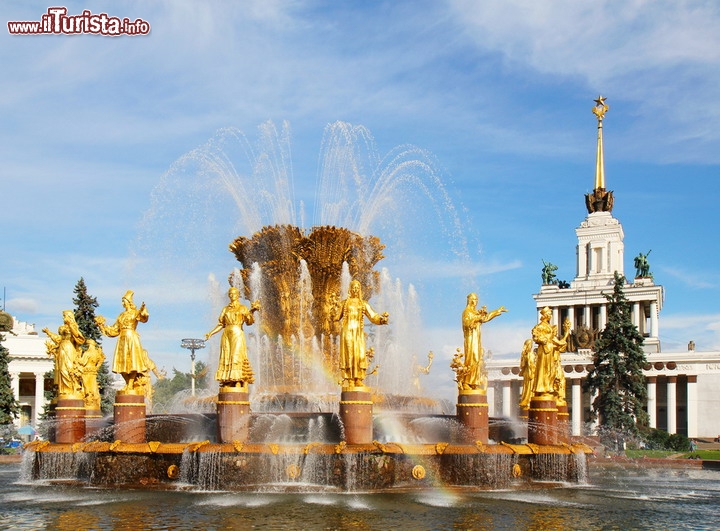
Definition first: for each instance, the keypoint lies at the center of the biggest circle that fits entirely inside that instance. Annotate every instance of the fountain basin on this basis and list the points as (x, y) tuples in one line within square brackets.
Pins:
[(313, 467)]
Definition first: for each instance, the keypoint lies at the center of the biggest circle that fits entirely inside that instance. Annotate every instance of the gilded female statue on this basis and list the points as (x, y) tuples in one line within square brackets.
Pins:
[(234, 366), (527, 371), (65, 348), (131, 360), (472, 320), (353, 357), (549, 347), (89, 363)]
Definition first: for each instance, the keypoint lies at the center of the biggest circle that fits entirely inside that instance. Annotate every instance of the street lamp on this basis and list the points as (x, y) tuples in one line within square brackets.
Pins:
[(192, 345)]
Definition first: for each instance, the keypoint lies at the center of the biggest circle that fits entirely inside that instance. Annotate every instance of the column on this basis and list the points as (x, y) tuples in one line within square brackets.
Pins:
[(603, 317), (577, 407), (596, 422), (491, 399), (692, 406), (587, 316), (636, 315), (652, 400), (39, 397), (571, 317), (15, 384), (672, 404), (653, 320), (507, 398), (556, 318), (582, 260)]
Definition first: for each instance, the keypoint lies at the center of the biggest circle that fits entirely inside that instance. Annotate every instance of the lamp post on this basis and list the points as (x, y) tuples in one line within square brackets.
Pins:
[(192, 345)]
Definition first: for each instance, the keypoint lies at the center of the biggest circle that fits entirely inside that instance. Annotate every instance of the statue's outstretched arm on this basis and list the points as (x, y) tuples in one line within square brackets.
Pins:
[(374, 317)]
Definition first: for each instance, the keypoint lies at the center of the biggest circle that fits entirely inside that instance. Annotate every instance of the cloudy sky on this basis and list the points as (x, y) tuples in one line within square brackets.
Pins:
[(99, 137)]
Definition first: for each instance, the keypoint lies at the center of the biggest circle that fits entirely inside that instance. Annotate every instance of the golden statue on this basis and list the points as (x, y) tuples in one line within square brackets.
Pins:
[(234, 366), (131, 360), (475, 375), (353, 357), (458, 367), (560, 373), (65, 348), (420, 369), (527, 371), (549, 347), (89, 363)]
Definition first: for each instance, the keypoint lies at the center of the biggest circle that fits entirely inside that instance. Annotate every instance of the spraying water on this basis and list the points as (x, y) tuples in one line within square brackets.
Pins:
[(232, 185)]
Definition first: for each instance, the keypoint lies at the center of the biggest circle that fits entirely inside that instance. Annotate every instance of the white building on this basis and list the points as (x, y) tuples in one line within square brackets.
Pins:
[(29, 362), (683, 387)]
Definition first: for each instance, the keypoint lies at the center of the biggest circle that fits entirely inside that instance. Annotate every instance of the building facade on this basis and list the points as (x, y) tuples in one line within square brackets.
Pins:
[(29, 362), (683, 387)]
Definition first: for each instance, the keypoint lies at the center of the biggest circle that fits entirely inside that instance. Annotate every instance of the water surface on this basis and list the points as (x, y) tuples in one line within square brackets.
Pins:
[(614, 499)]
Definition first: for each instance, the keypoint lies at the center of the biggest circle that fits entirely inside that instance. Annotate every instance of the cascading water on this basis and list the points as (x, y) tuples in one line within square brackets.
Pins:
[(233, 186)]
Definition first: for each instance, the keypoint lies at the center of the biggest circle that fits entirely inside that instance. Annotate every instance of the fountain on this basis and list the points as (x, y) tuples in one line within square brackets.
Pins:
[(321, 416)]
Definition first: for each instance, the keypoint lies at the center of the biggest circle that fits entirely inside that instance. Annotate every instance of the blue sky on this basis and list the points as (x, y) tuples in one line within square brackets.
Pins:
[(497, 94)]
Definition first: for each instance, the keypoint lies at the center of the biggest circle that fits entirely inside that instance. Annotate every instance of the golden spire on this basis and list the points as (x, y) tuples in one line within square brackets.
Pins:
[(600, 200), (599, 110)]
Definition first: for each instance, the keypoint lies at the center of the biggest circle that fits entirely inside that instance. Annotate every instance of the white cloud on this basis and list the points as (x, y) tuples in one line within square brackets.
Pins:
[(677, 330), (693, 279), (598, 40), (22, 305), (661, 56)]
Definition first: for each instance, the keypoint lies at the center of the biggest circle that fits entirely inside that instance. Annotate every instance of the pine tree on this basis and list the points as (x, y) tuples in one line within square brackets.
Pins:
[(617, 374), (85, 312), (9, 408), (85, 316)]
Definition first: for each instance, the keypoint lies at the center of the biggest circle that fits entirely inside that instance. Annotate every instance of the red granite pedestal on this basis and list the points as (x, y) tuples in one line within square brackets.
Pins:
[(356, 410), (472, 414), (129, 417), (542, 421), (563, 424), (70, 420), (233, 414)]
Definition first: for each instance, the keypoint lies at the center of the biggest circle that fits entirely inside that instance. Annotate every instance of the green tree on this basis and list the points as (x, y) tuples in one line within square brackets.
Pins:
[(9, 408), (617, 373), (84, 312), (165, 390)]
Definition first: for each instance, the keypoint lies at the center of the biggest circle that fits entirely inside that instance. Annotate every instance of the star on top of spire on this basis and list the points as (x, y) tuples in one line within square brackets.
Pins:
[(600, 108)]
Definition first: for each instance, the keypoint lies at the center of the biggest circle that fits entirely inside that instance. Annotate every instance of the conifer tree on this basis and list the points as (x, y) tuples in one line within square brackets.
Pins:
[(85, 312), (85, 316), (617, 373), (9, 408)]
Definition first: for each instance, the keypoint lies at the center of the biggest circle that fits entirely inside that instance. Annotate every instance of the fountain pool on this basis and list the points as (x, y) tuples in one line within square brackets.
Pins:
[(627, 498)]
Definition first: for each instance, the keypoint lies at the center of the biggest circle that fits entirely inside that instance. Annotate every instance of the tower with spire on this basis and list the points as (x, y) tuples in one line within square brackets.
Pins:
[(682, 387), (599, 254)]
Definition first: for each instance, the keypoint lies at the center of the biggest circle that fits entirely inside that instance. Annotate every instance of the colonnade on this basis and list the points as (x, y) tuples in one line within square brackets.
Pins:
[(504, 395), (647, 323), (35, 401)]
